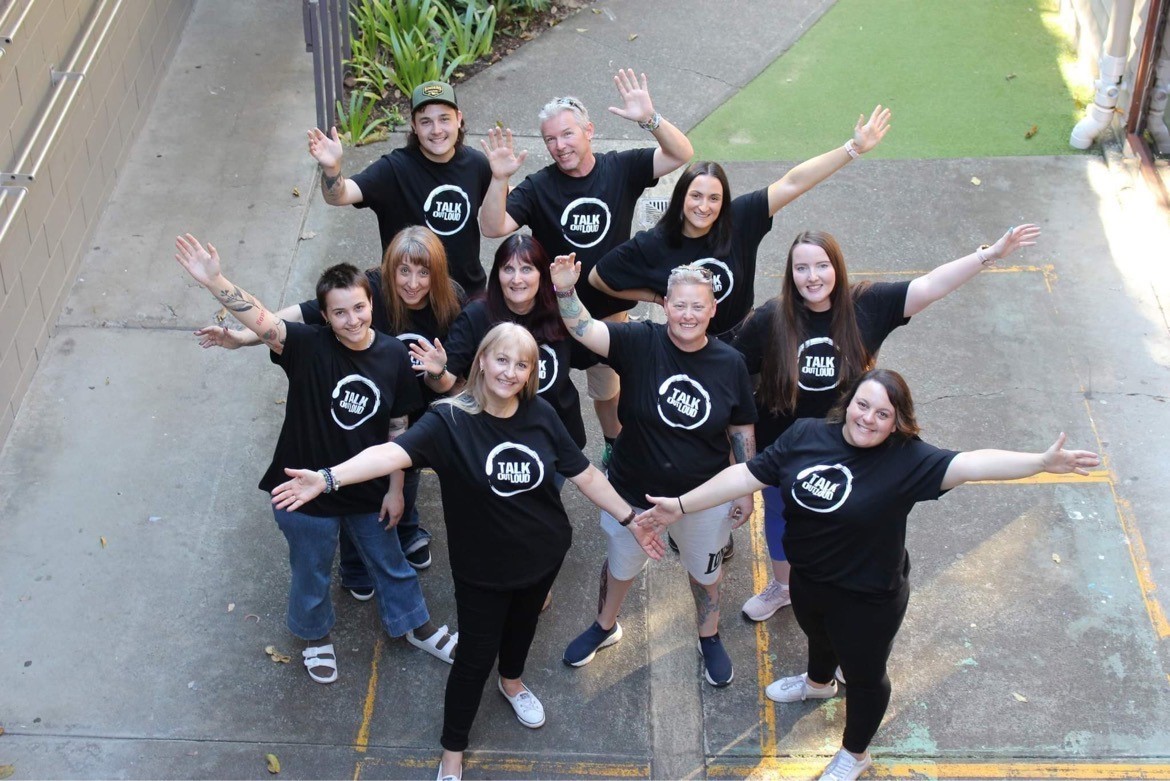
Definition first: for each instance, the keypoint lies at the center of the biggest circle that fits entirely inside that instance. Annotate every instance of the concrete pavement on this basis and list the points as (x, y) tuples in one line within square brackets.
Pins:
[(131, 520)]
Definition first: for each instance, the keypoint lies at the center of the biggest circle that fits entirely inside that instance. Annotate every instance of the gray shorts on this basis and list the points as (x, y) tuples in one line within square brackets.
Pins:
[(700, 538)]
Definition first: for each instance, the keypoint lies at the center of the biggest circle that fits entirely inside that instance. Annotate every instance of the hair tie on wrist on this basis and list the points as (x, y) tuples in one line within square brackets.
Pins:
[(680, 507)]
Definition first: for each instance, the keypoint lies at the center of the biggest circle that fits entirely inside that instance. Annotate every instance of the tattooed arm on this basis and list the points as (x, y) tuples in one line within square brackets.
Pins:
[(743, 449), (593, 334), (203, 265), (393, 504), (327, 151)]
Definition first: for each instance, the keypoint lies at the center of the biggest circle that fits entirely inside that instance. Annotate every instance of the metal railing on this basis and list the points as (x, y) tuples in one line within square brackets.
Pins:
[(7, 37), (67, 80), (326, 25)]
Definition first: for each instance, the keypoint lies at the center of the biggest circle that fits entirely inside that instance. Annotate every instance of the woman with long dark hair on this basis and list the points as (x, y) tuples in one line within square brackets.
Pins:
[(849, 481), (817, 336)]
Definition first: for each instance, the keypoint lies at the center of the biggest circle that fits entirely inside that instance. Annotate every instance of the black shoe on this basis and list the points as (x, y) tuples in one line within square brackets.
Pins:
[(420, 557), (672, 543)]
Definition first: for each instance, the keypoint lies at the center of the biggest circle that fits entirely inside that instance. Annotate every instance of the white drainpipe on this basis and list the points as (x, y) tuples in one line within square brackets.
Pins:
[(1159, 96), (1112, 68)]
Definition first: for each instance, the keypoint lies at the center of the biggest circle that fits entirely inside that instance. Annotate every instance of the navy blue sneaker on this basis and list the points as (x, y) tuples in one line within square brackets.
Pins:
[(716, 663), (582, 650)]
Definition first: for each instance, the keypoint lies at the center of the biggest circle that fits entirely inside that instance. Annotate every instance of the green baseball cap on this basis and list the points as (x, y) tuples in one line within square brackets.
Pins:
[(432, 92)]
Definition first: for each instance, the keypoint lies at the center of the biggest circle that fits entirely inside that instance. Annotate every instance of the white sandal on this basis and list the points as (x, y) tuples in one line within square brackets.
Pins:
[(432, 644), (321, 656)]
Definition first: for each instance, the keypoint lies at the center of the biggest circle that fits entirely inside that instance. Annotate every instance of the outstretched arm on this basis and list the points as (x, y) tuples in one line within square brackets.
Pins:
[(949, 277), (565, 271), (977, 465), (810, 173), (598, 490), (732, 483), (230, 338), (674, 148), (494, 220), (634, 294), (306, 485), (327, 151), (203, 265)]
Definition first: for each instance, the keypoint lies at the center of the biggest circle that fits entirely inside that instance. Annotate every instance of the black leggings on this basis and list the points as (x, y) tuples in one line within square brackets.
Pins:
[(857, 632), (491, 623)]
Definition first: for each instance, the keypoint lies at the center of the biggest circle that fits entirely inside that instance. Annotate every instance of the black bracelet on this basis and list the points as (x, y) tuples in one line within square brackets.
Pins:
[(439, 376), (629, 518), (330, 481), (680, 507), (566, 293)]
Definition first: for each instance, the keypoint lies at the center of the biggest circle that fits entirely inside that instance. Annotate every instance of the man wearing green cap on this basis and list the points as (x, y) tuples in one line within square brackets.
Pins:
[(434, 181)]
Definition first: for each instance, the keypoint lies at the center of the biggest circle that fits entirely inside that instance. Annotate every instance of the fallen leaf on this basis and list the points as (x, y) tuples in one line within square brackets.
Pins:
[(1056, 557), (231, 606), (1032, 131), (273, 763), (280, 401), (103, 541), (276, 655), (582, 29), (1019, 697), (1, 730), (296, 192), (221, 315), (976, 181), (6, 771), (308, 235), (633, 36), (596, 10), (1009, 77)]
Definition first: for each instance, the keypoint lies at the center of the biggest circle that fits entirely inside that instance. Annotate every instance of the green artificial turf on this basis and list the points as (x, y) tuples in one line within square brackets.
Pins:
[(965, 78)]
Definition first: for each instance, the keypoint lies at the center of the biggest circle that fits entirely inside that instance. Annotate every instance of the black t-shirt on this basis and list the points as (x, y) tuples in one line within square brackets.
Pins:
[(845, 507), (421, 324), (879, 310), (589, 215), (675, 408), (556, 358), (340, 402), (645, 261), (506, 526), (405, 188)]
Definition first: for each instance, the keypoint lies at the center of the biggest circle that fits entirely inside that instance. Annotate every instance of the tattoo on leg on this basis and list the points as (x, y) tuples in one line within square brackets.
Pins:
[(705, 605), (603, 587)]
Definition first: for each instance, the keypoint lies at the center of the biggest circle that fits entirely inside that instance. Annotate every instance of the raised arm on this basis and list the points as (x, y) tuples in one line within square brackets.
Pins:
[(327, 151), (565, 271), (306, 485), (231, 338), (494, 220), (949, 277), (732, 483), (598, 490), (203, 265), (674, 148), (640, 294), (810, 173), (978, 465), (434, 360)]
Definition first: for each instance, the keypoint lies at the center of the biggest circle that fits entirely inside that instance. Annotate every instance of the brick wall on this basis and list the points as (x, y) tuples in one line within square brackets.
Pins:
[(40, 254)]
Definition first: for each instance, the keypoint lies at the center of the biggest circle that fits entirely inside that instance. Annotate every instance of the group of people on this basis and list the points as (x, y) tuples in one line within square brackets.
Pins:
[(426, 361)]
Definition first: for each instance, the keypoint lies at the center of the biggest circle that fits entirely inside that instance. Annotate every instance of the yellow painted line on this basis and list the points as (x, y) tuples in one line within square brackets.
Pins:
[(536, 767), (761, 576), (363, 736), (1096, 476), (770, 768), (357, 769)]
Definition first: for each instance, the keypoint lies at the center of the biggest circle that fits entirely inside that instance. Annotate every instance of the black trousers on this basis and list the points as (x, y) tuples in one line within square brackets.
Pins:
[(855, 631), (491, 624)]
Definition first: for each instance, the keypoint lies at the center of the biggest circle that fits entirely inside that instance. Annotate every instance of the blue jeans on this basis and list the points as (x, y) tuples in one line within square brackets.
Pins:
[(353, 571), (312, 542), (774, 522)]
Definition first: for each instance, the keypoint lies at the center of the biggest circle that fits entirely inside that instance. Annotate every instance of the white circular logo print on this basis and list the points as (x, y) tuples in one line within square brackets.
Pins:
[(683, 403), (822, 488), (513, 469), (547, 368), (355, 400), (584, 222), (722, 280), (817, 365), (407, 340), (446, 209)]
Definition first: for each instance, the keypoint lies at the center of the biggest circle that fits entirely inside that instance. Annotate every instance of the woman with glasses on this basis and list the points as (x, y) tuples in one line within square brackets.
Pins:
[(687, 412), (705, 226), (817, 336)]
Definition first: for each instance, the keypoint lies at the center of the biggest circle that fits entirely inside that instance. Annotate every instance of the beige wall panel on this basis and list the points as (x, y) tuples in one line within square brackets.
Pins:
[(72, 239), (12, 308), (16, 247), (93, 194), (54, 226), (26, 374), (7, 417), (9, 376), (26, 338), (40, 257)]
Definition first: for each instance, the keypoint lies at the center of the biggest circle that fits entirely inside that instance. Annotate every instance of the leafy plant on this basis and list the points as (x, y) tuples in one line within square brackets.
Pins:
[(358, 124), (471, 33)]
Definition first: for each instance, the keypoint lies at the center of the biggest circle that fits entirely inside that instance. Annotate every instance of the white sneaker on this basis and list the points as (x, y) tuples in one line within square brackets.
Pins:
[(845, 767), (528, 709), (795, 688), (764, 605)]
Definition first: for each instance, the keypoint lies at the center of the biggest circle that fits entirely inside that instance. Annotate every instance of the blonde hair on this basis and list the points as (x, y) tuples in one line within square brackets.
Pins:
[(567, 103), (690, 275), (472, 399)]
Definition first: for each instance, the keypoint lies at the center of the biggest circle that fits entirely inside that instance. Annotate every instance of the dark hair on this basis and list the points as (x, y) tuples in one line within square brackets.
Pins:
[(544, 320), (343, 276), (672, 222), (780, 370), (412, 141), (905, 424), (419, 246)]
